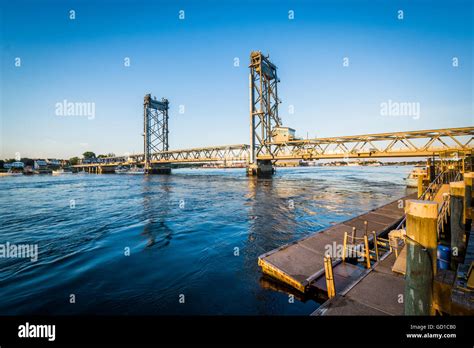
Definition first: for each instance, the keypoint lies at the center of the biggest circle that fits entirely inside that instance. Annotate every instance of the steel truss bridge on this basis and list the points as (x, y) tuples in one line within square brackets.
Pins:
[(437, 142), (264, 151)]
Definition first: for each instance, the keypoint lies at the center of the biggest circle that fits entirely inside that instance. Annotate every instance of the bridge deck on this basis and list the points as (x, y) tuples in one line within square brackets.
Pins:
[(301, 263)]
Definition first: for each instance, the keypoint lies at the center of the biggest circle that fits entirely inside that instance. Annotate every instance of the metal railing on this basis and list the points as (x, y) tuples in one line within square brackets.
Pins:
[(434, 186), (443, 213), (444, 209), (429, 194)]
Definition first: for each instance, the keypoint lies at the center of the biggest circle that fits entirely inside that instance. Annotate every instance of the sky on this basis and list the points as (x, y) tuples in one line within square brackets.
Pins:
[(338, 62)]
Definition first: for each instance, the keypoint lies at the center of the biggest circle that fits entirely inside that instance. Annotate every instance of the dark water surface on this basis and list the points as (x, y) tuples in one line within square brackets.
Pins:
[(182, 230)]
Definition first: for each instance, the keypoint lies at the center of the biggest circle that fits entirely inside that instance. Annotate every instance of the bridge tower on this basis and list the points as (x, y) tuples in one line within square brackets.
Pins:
[(263, 83), (155, 133)]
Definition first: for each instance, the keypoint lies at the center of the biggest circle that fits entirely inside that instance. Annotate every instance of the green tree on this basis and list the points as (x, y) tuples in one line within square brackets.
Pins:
[(73, 161), (88, 154), (28, 161)]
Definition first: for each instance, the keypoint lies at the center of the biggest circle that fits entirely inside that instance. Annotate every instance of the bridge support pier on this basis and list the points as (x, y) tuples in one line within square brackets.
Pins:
[(163, 170), (105, 170), (261, 169)]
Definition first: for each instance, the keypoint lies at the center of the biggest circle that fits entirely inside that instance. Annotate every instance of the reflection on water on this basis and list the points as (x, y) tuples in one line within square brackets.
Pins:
[(134, 244), (155, 211)]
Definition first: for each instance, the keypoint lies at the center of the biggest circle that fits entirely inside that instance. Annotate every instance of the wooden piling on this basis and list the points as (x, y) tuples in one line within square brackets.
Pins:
[(420, 185), (421, 244), (331, 287), (430, 168), (457, 222), (469, 195), (376, 247), (367, 250), (344, 247)]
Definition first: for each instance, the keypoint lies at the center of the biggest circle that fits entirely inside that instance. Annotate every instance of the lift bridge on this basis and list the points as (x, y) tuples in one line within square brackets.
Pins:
[(270, 141)]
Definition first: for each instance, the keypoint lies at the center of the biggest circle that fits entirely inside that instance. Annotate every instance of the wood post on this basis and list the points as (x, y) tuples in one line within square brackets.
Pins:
[(458, 222), (420, 185), (344, 247), (430, 167), (331, 287), (376, 246), (421, 244), (367, 250), (469, 194)]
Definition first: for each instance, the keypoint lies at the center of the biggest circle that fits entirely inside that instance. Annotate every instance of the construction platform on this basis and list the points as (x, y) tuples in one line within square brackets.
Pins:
[(301, 264)]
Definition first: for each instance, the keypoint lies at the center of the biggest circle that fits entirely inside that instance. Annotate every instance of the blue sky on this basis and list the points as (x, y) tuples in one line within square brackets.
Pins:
[(191, 62)]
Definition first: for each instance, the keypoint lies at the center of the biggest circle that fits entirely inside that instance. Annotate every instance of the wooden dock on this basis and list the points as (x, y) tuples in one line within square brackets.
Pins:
[(301, 264), (377, 292)]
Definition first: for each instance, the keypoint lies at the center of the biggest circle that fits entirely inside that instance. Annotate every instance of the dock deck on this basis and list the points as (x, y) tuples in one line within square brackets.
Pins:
[(301, 264), (376, 293)]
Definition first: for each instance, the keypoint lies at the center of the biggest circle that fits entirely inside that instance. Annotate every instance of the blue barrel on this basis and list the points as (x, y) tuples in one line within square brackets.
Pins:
[(444, 256)]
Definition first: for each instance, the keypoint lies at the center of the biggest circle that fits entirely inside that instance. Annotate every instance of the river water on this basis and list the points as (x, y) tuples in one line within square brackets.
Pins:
[(186, 243)]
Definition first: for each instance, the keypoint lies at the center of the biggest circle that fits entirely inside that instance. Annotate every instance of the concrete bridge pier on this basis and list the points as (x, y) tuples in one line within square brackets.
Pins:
[(261, 169), (163, 170), (105, 170)]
